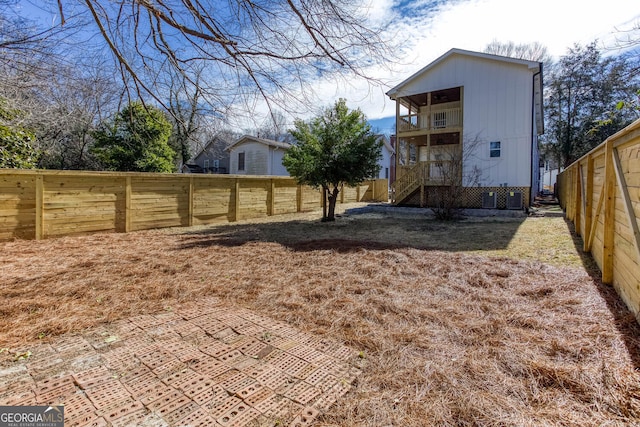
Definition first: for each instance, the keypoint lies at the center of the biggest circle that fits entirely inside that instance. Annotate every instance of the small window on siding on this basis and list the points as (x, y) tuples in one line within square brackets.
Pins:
[(240, 161), (494, 149), (206, 164), (386, 173)]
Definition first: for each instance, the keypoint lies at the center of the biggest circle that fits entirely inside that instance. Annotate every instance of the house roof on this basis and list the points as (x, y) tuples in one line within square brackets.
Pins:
[(208, 145), (396, 91), (386, 142), (248, 138)]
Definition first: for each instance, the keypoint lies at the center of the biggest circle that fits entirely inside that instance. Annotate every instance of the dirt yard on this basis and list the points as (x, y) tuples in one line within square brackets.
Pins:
[(481, 322)]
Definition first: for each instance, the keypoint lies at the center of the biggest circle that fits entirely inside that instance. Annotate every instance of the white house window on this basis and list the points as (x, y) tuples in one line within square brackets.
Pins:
[(206, 164), (216, 163), (240, 161), (494, 149)]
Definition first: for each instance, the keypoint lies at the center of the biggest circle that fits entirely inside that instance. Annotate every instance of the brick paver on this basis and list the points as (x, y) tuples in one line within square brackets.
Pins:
[(203, 365)]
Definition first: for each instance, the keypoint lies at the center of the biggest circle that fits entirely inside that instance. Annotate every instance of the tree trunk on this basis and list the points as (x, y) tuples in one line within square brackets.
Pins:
[(324, 203), (333, 198)]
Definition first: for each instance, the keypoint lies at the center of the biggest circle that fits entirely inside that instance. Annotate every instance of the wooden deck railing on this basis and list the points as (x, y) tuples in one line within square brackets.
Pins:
[(600, 193), (435, 120), (41, 204)]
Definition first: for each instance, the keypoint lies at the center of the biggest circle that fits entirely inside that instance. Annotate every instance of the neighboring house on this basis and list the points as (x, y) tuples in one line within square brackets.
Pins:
[(485, 108), (213, 158), (549, 171), (387, 157), (251, 155)]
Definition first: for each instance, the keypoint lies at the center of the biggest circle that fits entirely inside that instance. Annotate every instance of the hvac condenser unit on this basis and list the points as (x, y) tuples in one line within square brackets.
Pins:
[(514, 200), (489, 200)]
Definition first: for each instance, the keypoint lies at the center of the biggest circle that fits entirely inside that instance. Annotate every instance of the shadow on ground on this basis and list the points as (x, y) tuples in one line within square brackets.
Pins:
[(356, 232), (625, 321)]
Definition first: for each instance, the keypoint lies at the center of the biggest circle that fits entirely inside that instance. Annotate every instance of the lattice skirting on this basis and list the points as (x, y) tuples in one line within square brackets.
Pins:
[(471, 198)]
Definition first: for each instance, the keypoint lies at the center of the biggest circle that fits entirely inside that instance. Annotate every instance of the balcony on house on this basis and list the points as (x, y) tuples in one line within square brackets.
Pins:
[(438, 111), (428, 150)]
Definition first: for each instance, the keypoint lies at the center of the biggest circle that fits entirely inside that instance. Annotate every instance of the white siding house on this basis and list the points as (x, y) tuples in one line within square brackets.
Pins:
[(250, 155), (488, 108), (386, 159)]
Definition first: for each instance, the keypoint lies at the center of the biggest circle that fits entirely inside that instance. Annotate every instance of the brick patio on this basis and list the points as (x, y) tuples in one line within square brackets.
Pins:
[(202, 365)]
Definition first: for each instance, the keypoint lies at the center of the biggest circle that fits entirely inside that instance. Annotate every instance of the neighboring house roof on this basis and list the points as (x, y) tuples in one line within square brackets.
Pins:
[(397, 90), (271, 143), (208, 146), (192, 168), (386, 142)]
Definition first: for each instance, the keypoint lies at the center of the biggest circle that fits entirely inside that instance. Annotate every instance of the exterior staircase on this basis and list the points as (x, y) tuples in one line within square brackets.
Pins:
[(418, 176)]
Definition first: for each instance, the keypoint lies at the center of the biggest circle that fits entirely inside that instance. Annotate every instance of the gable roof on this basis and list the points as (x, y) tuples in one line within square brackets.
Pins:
[(208, 145), (532, 65), (269, 142), (386, 142)]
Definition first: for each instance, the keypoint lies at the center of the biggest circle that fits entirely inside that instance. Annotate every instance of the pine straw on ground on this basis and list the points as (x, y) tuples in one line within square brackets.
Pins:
[(449, 338)]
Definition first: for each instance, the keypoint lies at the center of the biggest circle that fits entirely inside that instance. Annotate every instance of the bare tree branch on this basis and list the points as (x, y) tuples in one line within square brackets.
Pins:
[(272, 49)]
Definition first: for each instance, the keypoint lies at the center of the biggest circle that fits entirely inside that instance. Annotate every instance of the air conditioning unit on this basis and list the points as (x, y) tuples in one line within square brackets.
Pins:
[(514, 200), (489, 200)]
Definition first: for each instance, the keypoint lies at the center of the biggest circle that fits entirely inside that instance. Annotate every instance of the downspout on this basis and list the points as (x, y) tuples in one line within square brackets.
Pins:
[(534, 140)]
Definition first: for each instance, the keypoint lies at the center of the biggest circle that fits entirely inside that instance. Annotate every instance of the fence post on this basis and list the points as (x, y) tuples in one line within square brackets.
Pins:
[(127, 205), (271, 197), (236, 204), (609, 214), (39, 233), (374, 195), (588, 206), (190, 201), (299, 198), (577, 202)]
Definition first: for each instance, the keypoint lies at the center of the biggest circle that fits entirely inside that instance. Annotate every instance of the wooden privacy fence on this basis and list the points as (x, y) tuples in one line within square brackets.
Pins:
[(41, 204), (601, 195)]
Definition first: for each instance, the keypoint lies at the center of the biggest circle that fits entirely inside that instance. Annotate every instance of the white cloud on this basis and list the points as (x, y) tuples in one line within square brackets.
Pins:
[(472, 24), (426, 32)]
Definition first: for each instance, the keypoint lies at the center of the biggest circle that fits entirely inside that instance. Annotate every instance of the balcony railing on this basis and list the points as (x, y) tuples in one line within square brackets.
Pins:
[(436, 119)]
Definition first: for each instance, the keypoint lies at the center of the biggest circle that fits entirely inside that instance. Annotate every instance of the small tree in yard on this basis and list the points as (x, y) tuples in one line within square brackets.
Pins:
[(334, 149), (447, 200), (135, 141)]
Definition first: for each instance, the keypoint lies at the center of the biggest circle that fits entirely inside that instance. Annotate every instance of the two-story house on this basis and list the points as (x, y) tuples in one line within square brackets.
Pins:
[(473, 118)]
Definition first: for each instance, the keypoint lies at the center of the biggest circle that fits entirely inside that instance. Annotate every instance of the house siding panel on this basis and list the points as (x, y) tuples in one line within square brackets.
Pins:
[(276, 163), (255, 159)]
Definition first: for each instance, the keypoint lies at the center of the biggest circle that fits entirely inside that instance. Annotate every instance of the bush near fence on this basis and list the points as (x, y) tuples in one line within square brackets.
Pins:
[(40, 204), (600, 193)]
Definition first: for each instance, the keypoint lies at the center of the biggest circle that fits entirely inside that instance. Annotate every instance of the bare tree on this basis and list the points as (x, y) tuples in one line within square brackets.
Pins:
[(528, 51), (188, 114), (253, 50), (628, 38), (60, 96), (275, 127), (451, 169)]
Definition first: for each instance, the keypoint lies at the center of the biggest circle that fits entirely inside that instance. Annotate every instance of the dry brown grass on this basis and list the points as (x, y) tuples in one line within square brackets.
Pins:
[(449, 337)]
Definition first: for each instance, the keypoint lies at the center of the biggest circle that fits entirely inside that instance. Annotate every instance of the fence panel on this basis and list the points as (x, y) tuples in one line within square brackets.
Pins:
[(600, 194), (17, 206), (213, 200), (41, 204)]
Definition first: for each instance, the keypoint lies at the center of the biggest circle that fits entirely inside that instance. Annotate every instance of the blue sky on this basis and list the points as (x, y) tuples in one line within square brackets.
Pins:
[(429, 28)]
